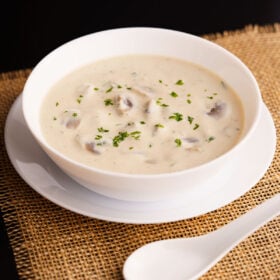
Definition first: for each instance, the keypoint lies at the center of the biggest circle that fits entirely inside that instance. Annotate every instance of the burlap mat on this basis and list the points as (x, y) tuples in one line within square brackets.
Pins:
[(52, 243)]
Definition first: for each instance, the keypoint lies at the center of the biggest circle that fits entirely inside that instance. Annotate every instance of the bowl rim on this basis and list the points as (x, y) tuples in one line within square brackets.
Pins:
[(43, 143)]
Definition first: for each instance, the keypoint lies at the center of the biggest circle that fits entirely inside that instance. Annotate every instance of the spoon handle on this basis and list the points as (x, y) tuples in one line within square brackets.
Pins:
[(237, 230)]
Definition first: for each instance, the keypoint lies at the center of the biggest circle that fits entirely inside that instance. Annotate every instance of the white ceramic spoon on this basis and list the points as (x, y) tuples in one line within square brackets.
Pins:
[(189, 258)]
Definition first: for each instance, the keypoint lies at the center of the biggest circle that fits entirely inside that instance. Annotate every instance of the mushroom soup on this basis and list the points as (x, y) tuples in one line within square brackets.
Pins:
[(142, 114)]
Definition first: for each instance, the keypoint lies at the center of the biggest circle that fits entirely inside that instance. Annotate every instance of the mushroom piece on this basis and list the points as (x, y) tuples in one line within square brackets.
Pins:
[(191, 143), (218, 110), (93, 147), (124, 103), (71, 119), (143, 90), (151, 106)]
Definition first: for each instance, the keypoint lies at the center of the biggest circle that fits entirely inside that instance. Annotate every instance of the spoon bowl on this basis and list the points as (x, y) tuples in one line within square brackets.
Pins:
[(189, 258)]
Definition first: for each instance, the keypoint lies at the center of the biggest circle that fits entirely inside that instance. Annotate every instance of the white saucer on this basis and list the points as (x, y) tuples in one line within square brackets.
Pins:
[(35, 167)]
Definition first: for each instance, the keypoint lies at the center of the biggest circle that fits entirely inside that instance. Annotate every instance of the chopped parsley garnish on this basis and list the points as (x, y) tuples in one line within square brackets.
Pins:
[(123, 135), (66, 111), (101, 143), (56, 104), (74, 115), (108, 102), (188, 95), (54, 118), (174, 94), (109, 89), (177, 117), (130, 123), (129, 88), (150, 145), (102, 130), (135, 134), (159, 102), (190, 119), (209, 139), (210, 97), (159, 125), (96, 89), (142, 122), (130, 148), (178, 142), (119, 86), (160, 81), (215, 93), (179, 83), (196, 126), (119, 138), (79, 100), (189, 101), (98, 137)]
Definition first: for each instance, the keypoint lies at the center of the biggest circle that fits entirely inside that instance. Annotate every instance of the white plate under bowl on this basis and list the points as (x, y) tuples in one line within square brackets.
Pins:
[(38, 171)]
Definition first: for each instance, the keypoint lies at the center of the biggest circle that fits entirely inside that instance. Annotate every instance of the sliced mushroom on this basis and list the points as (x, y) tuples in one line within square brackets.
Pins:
[(191, 140), (191, 143), (151, 106), (143, 90), (218, 110), (124, 103), (93, 147), (71, 118)]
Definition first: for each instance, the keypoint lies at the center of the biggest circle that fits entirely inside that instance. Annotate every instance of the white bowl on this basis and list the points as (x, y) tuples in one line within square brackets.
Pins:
[(124, 41)]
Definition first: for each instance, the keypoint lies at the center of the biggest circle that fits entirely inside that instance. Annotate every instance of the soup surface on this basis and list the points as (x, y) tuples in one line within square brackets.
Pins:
[(142, 114)]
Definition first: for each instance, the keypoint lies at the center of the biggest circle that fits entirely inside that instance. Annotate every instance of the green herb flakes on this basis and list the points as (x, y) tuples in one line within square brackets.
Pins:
[(109, 89), (189, 101), (177, 117), (178, 142), (102, 130), (119, 86), (79, 99), (96, 89), (196, 126), (173, 94), (108, 102), (119, 138), (159, 102), (74, 115), (56, 104), (209, 139), (135, 134), (130, 148), (179, 83), (123, 135), (98, 137), (54, 118), (142, 122), (159, 125), (190, 119)]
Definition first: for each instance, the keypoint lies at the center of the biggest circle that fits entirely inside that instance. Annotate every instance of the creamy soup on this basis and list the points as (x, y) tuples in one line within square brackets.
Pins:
[(142, 114)]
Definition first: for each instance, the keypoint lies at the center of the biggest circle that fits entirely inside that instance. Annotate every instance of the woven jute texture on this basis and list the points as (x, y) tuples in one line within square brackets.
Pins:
[(50, 242)]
